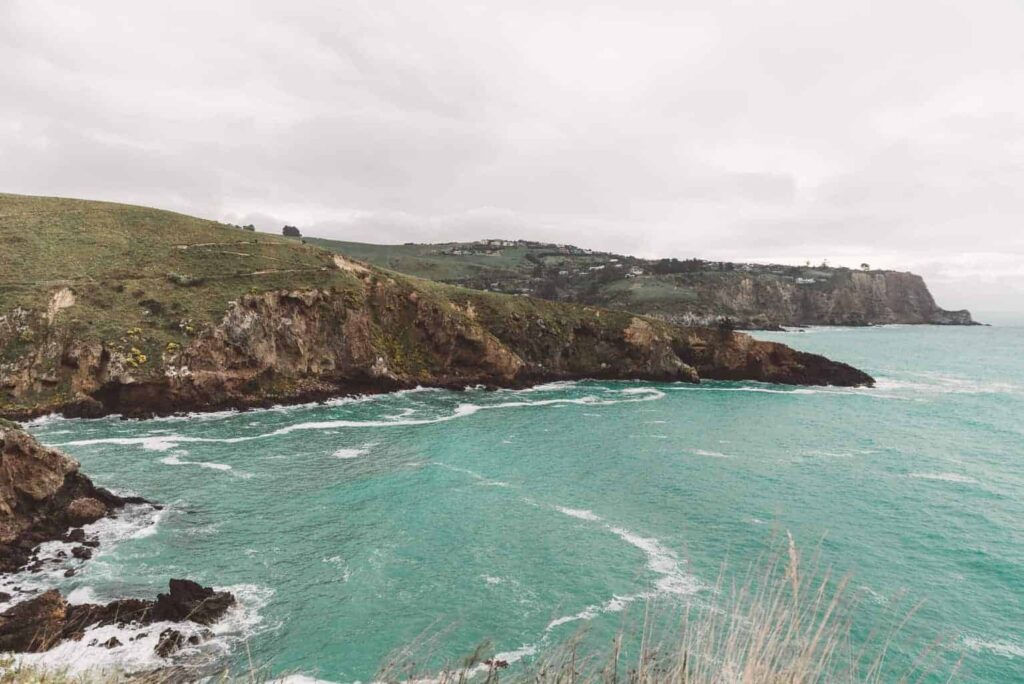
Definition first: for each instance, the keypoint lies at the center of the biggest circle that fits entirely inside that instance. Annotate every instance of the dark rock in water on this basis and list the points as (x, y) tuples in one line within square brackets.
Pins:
[(70, 572), (81, 552), (112, 642), (84, 406), (91, 543), (4, 597), (42, 495), (171, 641), (188, 600), (41, 622), (85, 510)]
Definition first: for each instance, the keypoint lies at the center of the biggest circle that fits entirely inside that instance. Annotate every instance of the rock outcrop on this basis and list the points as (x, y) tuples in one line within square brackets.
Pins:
[(42, 496), (287, 346), (42, 622)]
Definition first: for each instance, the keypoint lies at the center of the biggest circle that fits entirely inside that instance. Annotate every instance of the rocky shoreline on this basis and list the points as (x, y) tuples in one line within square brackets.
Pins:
[(287, 347), (44, 497)]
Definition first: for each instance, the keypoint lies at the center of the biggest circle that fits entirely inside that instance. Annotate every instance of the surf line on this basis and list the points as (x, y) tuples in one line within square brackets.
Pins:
[(165, 442)]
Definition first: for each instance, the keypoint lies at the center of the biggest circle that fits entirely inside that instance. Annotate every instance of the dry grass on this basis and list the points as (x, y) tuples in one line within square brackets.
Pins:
[(788, 622)]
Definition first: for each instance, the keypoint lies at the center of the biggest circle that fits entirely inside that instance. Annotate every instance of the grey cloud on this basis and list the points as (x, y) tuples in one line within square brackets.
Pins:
[(886, 132)]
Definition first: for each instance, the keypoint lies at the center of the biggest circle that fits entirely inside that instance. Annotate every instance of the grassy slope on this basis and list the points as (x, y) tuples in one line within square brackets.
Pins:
[(142, 278)]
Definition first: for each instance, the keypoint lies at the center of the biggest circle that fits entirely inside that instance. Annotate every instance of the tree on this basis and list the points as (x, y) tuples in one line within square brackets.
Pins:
[(290, 231), (865, 267), (249, 227)]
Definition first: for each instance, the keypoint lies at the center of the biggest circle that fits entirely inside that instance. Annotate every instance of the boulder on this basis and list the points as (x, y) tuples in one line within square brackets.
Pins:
[(85, 510), (188, 600)]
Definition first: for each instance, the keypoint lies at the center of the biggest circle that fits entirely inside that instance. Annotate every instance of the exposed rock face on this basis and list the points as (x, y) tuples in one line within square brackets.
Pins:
[(42, 495), (844, 297), (42, 622), (286, 346)]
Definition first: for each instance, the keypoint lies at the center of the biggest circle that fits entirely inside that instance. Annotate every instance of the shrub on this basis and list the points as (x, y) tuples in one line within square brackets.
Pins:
[(185, 280)]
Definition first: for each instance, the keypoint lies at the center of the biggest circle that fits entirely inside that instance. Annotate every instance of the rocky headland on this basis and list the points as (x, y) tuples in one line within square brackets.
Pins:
[(45, 497), (166, 313)]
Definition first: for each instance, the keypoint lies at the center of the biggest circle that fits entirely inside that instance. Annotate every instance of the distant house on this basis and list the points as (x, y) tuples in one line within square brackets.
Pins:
[(804, 281)]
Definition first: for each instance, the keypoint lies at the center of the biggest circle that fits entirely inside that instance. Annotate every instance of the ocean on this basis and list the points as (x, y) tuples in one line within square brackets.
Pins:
[(442, 520)]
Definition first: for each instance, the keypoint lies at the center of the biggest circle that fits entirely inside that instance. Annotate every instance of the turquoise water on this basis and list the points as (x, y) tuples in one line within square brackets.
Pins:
[(352, 529)]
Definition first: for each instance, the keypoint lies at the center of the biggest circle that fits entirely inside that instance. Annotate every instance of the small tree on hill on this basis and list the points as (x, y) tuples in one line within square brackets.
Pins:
[(865, 267), (290, 231)]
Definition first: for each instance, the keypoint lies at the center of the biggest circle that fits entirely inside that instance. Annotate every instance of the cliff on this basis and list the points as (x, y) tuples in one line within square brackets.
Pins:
[(106, 308), (687, 292), (834, 297), (42, 496)]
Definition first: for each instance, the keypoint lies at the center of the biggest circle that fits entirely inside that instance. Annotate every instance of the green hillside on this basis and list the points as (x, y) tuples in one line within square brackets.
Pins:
[(138, 268)]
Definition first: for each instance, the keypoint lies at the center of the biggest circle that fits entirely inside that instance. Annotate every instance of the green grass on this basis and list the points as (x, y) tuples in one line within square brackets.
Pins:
[(116, 256), (141, 278)]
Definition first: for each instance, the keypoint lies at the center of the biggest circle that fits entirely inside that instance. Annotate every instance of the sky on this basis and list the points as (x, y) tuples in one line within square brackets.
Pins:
[(888, 133)]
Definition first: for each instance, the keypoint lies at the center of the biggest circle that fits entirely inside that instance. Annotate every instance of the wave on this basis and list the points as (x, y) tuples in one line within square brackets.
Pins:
[(580, 513), (940, 383), (661, 561), (350, 453), (744, 388), (134, 521), (1000, 647), (944, 477), (174, 459), (712, 454), (165, 442)]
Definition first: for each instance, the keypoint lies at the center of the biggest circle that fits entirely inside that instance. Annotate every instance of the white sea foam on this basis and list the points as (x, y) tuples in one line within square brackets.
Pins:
[(663, 562), (673, 579), (745, 388), (615, 604), (175, 459), (944, 477), (711, 454), (134, 521), (580, 513), (165, 442), (1000, 647), (349, 453), (136, 652), (481, 480), (489, 579)]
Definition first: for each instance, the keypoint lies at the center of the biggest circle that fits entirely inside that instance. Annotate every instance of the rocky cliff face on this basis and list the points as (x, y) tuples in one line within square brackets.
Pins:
[(42, 495), (391, 333), (839, 298)]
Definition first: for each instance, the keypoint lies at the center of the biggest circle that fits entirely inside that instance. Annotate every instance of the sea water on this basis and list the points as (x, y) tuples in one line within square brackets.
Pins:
[(441, 520)]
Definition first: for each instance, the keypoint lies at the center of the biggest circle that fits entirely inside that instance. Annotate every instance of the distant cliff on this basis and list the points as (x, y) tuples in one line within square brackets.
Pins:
[(686, 292), (768, 300)]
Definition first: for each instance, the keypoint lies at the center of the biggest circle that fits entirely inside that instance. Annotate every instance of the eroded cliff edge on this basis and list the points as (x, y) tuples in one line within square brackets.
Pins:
[(298, 345)]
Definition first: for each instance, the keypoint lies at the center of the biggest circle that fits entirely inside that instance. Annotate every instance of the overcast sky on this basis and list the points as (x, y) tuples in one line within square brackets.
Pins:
[(884, 132)]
